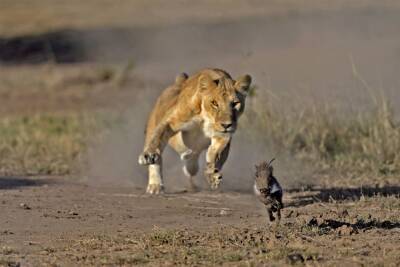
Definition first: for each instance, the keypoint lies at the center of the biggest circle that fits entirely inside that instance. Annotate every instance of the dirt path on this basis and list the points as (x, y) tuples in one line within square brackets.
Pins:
[(41, 213), (53, 221)]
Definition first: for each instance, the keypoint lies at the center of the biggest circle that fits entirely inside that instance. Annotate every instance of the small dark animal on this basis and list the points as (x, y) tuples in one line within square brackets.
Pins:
[(268, 190)]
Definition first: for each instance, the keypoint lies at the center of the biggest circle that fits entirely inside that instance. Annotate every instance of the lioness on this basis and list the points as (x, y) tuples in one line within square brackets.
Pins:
[(193, 114)]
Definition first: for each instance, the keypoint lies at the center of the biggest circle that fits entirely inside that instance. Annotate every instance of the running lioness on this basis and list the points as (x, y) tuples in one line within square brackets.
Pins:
[(195, 113)]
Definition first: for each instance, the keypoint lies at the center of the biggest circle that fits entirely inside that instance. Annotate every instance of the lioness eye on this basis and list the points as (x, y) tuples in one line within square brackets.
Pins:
[(236, 104), (214, 103)]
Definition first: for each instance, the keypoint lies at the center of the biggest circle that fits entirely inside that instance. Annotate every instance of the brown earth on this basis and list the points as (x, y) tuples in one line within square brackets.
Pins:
[(53, 221)]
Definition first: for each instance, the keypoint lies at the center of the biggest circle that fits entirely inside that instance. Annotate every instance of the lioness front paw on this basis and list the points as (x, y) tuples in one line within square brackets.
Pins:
[(148, 158), (214, 179), (155, 189)]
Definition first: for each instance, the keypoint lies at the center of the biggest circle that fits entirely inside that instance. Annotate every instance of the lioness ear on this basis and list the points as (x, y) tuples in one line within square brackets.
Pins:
[(180, 78), (205, 82), (242, 84)]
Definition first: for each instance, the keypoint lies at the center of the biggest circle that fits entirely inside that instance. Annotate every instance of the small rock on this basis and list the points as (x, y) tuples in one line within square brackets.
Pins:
[(223, 212), (7, 232), (73, 213), (24, 206)]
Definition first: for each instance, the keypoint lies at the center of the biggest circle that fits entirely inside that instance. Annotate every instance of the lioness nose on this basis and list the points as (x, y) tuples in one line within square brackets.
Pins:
[(226, 125)]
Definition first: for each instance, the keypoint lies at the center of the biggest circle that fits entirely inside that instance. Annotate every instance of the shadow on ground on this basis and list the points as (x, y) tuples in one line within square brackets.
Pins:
[(314, 195), (225, 39), (360, 224), (17, 182), (60, 47)]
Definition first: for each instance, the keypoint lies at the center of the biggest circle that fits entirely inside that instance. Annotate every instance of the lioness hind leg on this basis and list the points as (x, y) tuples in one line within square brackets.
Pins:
[(188, 157), (155, 185), (190, 169)]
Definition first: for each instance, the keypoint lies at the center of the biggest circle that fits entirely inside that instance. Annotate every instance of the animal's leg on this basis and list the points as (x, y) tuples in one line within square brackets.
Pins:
[(222, 157), (190, 169), (156, 144), (270, 214), (217, 154), (152, 157), (191, 165), (155, 184), (188, 157)]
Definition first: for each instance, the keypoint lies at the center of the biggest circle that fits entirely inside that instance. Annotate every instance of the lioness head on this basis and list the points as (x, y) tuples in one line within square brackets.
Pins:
[(222, 103)]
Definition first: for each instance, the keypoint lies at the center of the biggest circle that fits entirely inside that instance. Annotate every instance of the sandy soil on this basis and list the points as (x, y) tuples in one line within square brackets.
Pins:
[(58, 222)]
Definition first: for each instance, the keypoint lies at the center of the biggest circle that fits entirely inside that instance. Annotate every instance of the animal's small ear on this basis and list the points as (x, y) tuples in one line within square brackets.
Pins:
[(180, 78), (242, 84), (205, 82), (271, 169)]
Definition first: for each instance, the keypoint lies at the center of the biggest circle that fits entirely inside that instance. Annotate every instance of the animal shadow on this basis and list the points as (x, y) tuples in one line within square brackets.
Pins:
[(360, 224), (313, 194), (17, 182), (60, 46)]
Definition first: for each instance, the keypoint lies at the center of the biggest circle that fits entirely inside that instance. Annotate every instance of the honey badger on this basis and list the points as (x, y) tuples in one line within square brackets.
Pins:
[(268, 190)]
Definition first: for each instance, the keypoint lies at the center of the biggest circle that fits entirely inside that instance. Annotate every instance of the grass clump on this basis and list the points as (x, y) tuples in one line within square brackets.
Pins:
[(366, 143), (44, 143), (191, 248)]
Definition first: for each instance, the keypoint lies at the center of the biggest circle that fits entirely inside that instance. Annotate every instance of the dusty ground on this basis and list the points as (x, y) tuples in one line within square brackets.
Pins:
[(57, 58), (58, 222)]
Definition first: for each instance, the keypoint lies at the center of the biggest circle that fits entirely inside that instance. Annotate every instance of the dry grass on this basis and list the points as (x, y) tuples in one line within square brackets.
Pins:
[(365, 143), (45, 143), (300, 239)]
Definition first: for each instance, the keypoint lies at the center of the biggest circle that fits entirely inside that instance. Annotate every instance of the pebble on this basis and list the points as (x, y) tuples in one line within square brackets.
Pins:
[(223, 213), (24, 206)]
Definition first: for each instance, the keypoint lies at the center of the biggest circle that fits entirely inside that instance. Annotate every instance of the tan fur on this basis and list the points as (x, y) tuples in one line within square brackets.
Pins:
[(195, 113)]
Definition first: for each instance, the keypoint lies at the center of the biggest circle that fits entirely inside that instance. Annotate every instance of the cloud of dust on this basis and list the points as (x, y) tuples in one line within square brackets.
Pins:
[(301, 56), (114, 159)]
